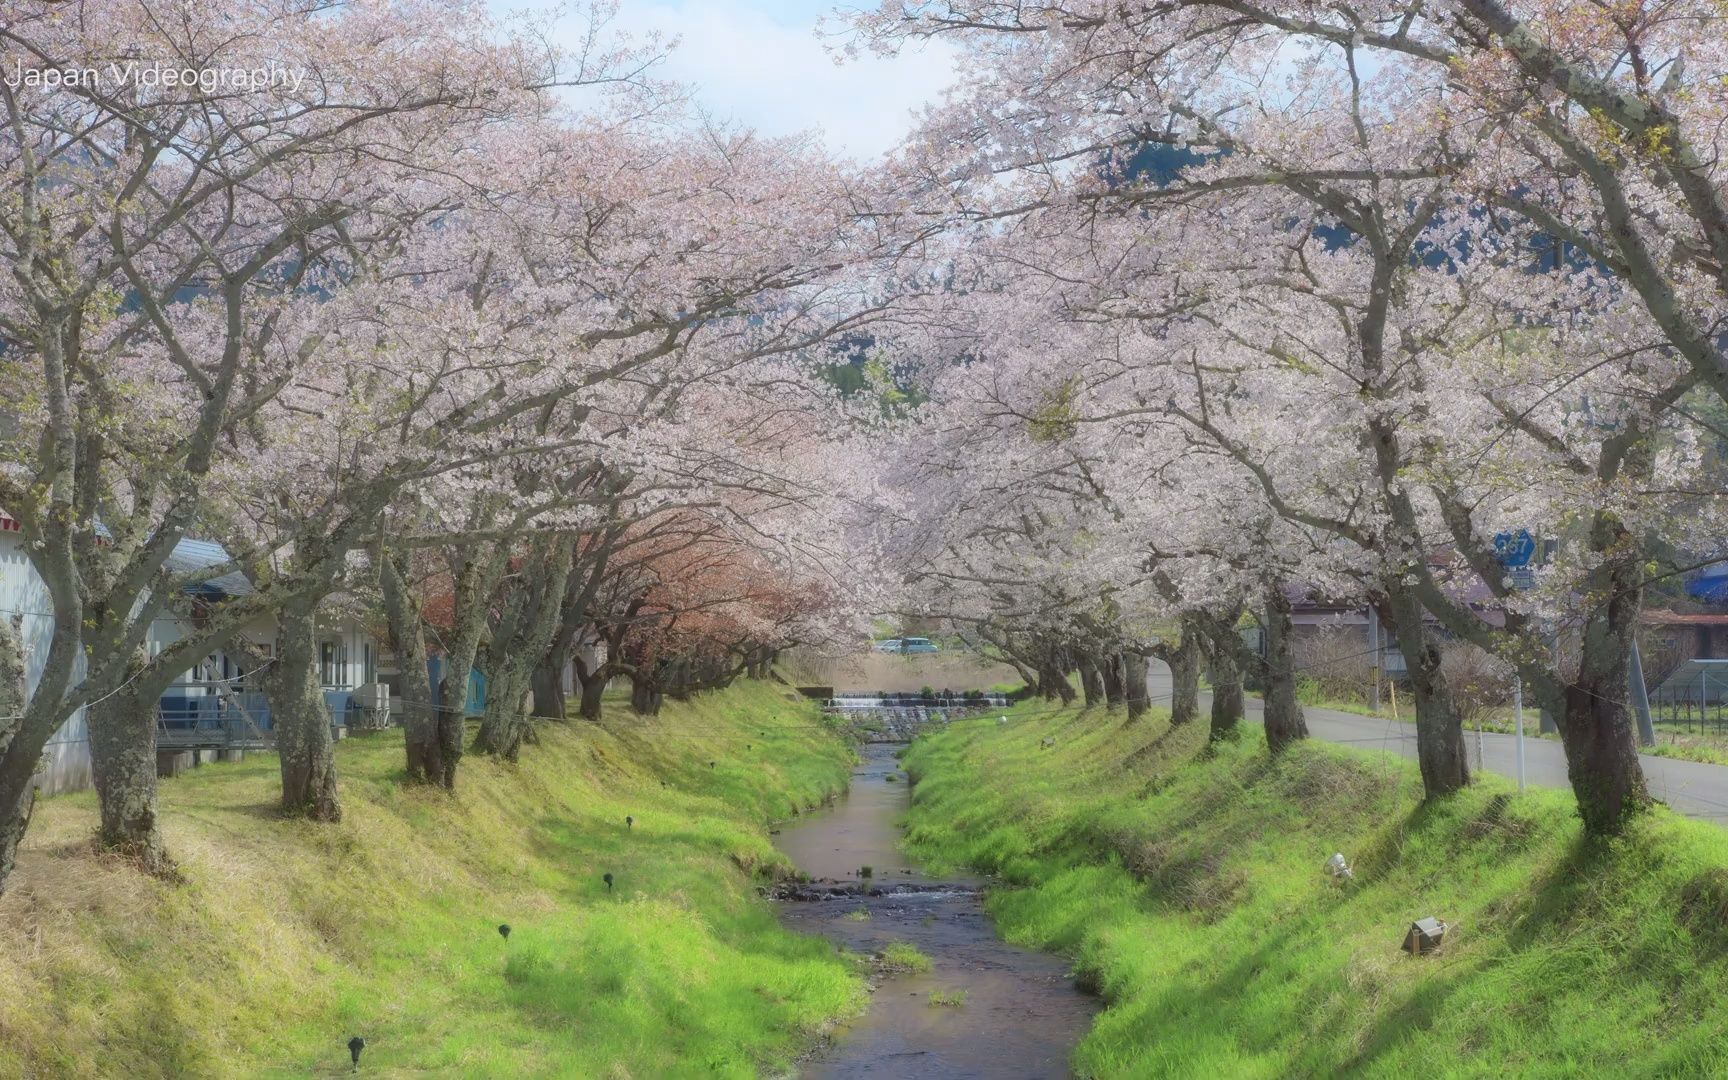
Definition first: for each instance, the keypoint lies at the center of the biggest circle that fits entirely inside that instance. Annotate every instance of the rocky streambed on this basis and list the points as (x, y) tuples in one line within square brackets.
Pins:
[(984, 1009)]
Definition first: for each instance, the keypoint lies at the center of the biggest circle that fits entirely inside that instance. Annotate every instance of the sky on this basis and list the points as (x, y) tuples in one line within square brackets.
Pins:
[(760, 64)]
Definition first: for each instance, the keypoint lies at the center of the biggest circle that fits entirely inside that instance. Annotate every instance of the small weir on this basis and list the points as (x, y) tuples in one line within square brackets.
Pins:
[(883, 716), (1018, 1014)]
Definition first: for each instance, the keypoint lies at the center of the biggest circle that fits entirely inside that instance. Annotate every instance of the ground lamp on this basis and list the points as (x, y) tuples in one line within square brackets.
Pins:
[(1424, 936), (355, 1045), (607, 878), (504, 930), (629, 822), (1338, 867)]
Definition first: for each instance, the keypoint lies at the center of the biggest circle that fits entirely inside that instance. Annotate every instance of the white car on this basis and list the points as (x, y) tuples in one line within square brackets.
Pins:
[(888, 645)]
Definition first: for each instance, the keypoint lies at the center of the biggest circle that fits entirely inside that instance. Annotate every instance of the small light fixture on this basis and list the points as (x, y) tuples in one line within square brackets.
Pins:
[(1338, 867), (1424, 936)]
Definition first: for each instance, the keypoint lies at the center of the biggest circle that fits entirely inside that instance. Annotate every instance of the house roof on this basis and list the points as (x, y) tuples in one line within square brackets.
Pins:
[(1663, 617), (188, 556)]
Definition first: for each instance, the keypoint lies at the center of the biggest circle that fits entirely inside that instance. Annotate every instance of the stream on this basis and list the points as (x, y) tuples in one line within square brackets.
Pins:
[(1021, 1013)]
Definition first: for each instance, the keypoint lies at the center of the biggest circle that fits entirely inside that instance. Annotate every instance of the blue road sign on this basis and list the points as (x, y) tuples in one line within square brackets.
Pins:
[(1515, 549)]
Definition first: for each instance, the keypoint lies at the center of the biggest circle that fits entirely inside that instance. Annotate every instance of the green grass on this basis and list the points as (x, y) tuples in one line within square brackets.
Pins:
[(1676, 741), (1188, 885), (946, 998), (904, 956), (286, 938)]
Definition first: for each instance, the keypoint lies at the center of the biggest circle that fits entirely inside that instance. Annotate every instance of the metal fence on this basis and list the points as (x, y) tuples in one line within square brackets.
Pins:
[(1694, 697)]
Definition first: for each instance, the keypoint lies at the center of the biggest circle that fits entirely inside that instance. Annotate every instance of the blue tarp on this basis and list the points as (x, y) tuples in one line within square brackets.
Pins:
[(1710, 584), (476, 703)]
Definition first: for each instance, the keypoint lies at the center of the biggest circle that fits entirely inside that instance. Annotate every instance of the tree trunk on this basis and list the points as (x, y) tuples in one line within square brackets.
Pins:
[(645, 695), (521, 636), (1225, 652), (1283, 712), (504, 724), (17, 799), (1053, 676), (451, 713), (1091, 682), (476, 570), (1184, 664), (424, 749), (591, 677), (123, 760), (1440, 751), (1595, 724), (548, 685), (1134, 674), (1115, 689), (301, 720)]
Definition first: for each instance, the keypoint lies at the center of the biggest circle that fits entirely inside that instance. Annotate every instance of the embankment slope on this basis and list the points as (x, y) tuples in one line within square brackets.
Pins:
[(1189, 886), (287, 938)]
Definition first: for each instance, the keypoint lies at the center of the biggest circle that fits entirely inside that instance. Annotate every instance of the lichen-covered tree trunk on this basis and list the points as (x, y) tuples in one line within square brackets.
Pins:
[(1184, 661), (1135, 668), (425, 752), (300, 719), (17, 800), (505, 723), (123, 762), (520, 638), (1595, 725), (1441, 755), (1224, 648), (1285, 723)]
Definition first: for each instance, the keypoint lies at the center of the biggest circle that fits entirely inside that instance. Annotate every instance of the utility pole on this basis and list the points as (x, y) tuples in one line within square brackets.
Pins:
[(1374, 645), (1518, 727), (1547, 725)]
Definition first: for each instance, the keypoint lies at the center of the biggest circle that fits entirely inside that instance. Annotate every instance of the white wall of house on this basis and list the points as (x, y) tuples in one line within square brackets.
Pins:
[(347, 655), (24, 596)]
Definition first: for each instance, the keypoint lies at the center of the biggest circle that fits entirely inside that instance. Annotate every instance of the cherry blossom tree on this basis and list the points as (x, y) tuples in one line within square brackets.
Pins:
[(1330, 206), (169, 246)]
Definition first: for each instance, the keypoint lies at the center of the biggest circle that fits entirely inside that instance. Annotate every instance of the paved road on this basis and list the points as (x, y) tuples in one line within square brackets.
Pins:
[(1695, 789)]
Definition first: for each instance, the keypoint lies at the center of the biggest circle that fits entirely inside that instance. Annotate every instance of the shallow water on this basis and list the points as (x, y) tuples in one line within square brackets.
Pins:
[(1022, 1013)]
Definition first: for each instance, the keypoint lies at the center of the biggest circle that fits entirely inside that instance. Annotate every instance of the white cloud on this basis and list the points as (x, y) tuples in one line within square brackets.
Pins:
[(759, 63)]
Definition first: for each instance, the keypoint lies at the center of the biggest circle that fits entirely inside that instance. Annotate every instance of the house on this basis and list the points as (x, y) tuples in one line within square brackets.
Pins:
[(212, 709), (1334, 640), (1685, 656), (1686, 635)]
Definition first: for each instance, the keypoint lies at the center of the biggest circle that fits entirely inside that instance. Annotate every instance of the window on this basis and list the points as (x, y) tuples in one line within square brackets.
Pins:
[(368, 664), (327, 663)]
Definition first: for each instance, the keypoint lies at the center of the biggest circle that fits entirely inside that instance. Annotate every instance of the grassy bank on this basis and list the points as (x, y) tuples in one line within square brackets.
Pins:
[(287, 938), (1189, 887)]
